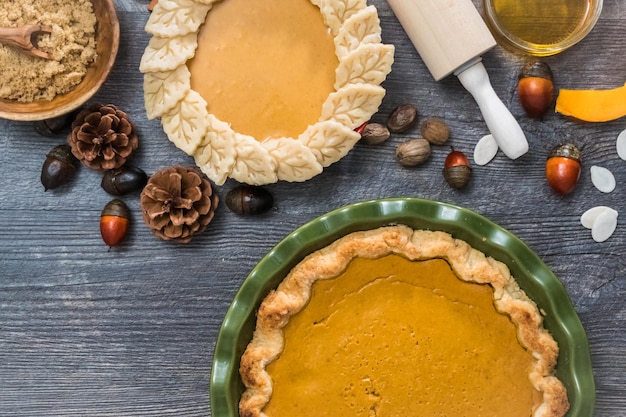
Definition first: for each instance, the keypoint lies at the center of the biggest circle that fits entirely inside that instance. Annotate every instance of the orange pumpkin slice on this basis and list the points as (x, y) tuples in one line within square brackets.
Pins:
[(593, 105)]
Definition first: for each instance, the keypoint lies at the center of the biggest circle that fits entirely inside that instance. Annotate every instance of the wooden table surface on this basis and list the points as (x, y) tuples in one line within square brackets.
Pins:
[(130, 332)]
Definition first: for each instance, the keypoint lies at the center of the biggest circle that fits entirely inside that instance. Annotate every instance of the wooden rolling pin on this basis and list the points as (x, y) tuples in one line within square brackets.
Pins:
[(451, 37)]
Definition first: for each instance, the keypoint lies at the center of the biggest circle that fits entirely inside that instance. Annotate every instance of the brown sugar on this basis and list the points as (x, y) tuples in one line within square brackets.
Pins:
[(71, 44)]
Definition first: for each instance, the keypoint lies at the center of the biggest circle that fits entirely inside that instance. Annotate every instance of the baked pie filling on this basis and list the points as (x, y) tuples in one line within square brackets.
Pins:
[(395, 322), (266, 70)]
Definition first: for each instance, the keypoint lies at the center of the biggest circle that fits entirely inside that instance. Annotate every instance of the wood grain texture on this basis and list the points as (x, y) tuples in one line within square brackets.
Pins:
[(130, 332)]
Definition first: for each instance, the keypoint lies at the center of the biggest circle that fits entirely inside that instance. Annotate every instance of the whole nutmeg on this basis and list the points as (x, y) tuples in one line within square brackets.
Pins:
[(374, 134), (435, 131), (59, 167), (178, 203), (535, 89), (563, 168), (456, 169), (413, 152), (402, 118)]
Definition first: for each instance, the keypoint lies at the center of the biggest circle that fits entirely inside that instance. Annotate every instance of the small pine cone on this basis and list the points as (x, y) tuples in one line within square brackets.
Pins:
[(177, 203), (102, 137)]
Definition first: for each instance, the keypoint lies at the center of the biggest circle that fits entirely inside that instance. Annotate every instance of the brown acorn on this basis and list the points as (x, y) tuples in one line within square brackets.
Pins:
[(114, 221), (123, 180), (563, 168), (54, 125), (456, 169), (536, 88), (59, 167), (248, 199)]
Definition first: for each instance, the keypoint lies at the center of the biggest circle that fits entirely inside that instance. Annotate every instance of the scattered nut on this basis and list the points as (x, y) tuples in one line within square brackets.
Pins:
[(536, 88), (59, 167), (456, 169), (402, 118), (413, 152), (563, 168), (55, 125), (435, 131), (374, 134), (123, 180), (114, 220), (249, 200)]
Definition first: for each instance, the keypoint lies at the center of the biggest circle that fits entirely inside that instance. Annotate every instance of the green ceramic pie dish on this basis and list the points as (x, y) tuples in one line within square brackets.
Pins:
[(535, 278)]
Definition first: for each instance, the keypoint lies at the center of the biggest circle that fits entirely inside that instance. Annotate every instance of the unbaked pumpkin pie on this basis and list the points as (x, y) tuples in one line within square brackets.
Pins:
[(264, 90), (393, 322)]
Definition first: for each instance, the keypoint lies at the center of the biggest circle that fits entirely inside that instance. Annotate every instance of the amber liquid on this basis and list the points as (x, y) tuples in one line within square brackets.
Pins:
[(542, 23)]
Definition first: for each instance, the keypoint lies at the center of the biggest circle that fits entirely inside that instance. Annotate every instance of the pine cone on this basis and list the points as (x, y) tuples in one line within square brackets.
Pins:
[(177, 203), (102, 137)]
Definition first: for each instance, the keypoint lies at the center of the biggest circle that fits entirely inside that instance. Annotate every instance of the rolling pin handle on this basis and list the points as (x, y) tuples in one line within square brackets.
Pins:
[(501, 123)]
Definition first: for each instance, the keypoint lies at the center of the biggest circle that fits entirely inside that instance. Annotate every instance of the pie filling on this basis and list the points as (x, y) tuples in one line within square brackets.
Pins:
[(394, 337), (394, 321), (266, 66)]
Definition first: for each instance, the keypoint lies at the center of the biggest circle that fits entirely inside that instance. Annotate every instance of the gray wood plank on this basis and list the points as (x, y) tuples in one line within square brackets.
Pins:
[(130, 332)]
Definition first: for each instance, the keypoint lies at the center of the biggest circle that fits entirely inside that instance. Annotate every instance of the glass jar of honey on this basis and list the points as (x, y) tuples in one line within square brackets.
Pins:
[(541, 27)]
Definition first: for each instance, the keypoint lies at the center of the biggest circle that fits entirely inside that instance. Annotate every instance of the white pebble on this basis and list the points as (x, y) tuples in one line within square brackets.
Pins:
[(604, 225), (589, 217), (621, 145), (602, 179), (485, 150)]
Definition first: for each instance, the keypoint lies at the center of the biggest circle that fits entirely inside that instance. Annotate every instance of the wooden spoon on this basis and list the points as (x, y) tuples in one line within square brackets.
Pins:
[(22, 38)]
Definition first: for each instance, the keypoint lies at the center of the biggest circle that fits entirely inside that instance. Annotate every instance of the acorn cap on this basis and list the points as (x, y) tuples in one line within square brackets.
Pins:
[(116, 208), (536, 69), (566, 150)]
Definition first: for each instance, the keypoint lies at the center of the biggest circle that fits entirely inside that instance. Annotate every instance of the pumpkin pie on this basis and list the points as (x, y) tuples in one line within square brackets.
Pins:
[(395, 321), (262, 91)]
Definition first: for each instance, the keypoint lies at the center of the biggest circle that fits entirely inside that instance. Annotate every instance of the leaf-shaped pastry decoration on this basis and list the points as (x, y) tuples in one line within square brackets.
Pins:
[(187, 122), (362, 27), (353, 105), (336, 12), (254, 164), (295, 161), (167, 54), (368, 64), (162, 90), (172, 18), (216, 154), (329, 141), (222, 153)]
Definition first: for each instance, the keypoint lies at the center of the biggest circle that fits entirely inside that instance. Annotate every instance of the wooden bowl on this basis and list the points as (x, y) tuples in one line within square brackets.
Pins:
[(107, 44)]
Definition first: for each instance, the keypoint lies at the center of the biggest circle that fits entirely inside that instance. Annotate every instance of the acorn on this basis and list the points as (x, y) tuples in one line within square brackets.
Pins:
[(114, 220), (123, 180), (456, 169), (563, 168), (55, 125), (249, 199), (59, 167), (535, 89)]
